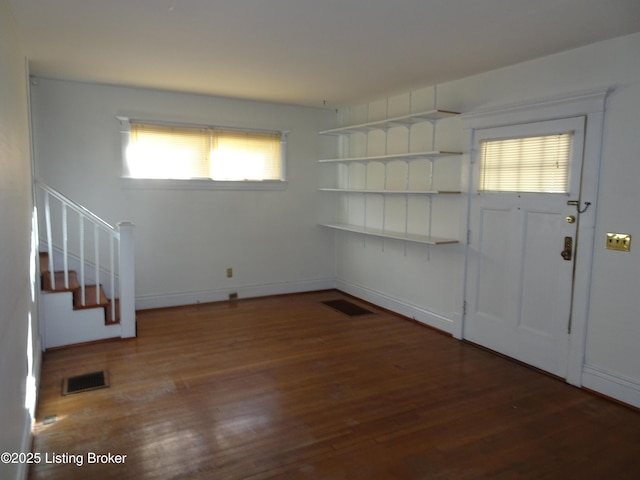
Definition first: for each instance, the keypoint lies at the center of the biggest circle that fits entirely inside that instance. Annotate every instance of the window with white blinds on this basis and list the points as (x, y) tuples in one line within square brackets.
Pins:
[(174, 152), (529, 164)]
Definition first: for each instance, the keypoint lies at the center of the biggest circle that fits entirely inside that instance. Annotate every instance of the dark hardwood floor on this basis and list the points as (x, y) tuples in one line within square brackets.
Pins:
[(287, 388)]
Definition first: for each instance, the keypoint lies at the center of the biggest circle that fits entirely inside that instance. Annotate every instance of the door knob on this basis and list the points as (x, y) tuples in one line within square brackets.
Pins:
[(570, 219), (568, 248)]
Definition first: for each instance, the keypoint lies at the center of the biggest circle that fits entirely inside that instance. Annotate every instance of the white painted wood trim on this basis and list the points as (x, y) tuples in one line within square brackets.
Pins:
[(591, 104), (611, 385), (162, 300), (397, 305), (65, 326), (127, 279), (543, 109)]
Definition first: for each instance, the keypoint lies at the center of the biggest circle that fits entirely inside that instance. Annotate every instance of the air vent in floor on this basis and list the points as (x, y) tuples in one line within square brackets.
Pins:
[(346, 307), (85, 383)]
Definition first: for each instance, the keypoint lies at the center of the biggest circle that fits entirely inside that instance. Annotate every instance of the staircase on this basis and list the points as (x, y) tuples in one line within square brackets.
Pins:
[(87, 274)]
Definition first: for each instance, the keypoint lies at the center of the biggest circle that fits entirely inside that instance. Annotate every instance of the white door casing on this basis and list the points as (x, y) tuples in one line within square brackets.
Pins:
[(539, 227), (519, 286)]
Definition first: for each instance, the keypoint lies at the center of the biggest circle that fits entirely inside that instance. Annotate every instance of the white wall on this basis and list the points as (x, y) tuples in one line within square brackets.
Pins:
[(16, 304), (186, 239), (417, 284), (416, 280)]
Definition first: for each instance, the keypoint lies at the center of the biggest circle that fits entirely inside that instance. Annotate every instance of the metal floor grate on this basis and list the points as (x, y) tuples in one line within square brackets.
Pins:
[(85, 383), (346, 307)]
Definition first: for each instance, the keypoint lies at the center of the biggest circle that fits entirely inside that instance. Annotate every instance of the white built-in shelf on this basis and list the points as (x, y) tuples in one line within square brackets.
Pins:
[(395, 156), (409, 237), (389, 192), (432, 116), (404, 120)]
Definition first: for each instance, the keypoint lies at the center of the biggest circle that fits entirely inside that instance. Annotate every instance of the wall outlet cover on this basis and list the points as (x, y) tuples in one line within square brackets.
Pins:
[(619, 241)]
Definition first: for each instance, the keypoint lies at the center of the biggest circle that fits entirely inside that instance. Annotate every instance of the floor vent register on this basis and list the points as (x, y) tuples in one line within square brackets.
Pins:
[(346, 307), (85, 383)]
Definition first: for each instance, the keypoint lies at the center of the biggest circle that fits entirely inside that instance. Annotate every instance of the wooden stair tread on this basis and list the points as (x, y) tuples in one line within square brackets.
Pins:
[(74, 288), (59, 282), (90, 298)]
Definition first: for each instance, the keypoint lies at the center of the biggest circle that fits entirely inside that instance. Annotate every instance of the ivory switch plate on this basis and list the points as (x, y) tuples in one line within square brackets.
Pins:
[(619, 241)]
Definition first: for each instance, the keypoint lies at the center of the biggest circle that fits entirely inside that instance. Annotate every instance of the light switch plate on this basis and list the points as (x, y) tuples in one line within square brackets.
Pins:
[(619, 241)]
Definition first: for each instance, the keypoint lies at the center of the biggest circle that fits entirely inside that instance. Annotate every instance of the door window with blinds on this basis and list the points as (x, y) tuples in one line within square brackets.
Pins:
[(177, 152), (536, 164)]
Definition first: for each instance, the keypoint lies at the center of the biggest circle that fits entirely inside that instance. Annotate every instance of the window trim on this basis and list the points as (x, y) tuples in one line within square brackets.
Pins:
[(198, 183)]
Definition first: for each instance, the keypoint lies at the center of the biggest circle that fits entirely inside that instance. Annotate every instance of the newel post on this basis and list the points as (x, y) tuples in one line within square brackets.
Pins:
[(127, 270)]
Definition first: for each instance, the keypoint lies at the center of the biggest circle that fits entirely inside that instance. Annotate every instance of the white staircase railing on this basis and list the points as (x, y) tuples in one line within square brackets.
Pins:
[(100, 253)]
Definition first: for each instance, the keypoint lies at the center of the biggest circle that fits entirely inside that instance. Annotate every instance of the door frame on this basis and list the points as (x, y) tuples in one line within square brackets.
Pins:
[(592, 106)]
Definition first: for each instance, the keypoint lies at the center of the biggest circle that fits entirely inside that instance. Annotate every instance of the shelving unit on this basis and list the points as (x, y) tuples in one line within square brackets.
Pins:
[(376, 232), (387, 158), (389, 192), (404, 121), (433, 116)]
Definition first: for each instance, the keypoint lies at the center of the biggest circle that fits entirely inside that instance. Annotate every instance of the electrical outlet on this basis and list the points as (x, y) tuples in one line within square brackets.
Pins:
[(229, 272), (619, 241)]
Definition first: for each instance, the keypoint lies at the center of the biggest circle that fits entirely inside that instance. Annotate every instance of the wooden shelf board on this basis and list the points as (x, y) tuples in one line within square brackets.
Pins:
[(404, 120), (394, 157), (424, 239), (391, 192)]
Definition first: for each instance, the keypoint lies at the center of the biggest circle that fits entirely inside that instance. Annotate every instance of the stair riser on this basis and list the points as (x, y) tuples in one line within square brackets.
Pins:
[(65, 326), (89, 298)]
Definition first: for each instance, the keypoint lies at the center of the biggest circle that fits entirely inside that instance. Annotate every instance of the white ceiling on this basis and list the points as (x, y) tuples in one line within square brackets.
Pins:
[(305, 52)]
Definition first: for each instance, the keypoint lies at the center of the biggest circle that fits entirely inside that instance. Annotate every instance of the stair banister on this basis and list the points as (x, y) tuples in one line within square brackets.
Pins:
[(96, 249), (127, 280), (112, 282), (47, 214), (83, 290), (121, 274), (65, 245)]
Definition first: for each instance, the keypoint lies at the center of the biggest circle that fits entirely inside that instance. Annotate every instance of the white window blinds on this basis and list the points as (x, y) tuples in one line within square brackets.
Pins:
[(178, 152), (530, 164)]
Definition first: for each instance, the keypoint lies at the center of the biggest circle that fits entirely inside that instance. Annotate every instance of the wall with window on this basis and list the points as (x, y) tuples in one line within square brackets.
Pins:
[(186, 238), (16, 284), (422, 284)]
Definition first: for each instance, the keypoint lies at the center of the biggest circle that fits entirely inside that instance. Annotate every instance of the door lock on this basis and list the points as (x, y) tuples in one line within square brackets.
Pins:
[(567, 253), (570, 219)]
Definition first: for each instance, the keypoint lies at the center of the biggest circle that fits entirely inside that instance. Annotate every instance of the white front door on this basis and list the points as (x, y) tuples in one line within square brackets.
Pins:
[(519, 283)]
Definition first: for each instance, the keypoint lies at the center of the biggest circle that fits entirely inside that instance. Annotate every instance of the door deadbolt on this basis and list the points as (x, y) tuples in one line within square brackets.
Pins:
[(570, 219), (568, 249)]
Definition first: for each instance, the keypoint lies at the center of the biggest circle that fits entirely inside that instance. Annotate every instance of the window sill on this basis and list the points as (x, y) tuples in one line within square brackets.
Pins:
[(202, 184)]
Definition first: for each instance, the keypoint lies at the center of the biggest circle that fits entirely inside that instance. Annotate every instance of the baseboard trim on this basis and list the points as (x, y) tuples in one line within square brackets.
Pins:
[(147, 302), (611, 385), (398, 306)]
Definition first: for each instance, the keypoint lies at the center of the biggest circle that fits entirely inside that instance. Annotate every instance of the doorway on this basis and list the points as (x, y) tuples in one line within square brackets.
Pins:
[(521, 297), (523, 239)]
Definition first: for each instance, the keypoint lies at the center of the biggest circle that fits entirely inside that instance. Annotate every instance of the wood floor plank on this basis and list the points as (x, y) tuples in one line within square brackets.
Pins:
[(286, 388)]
